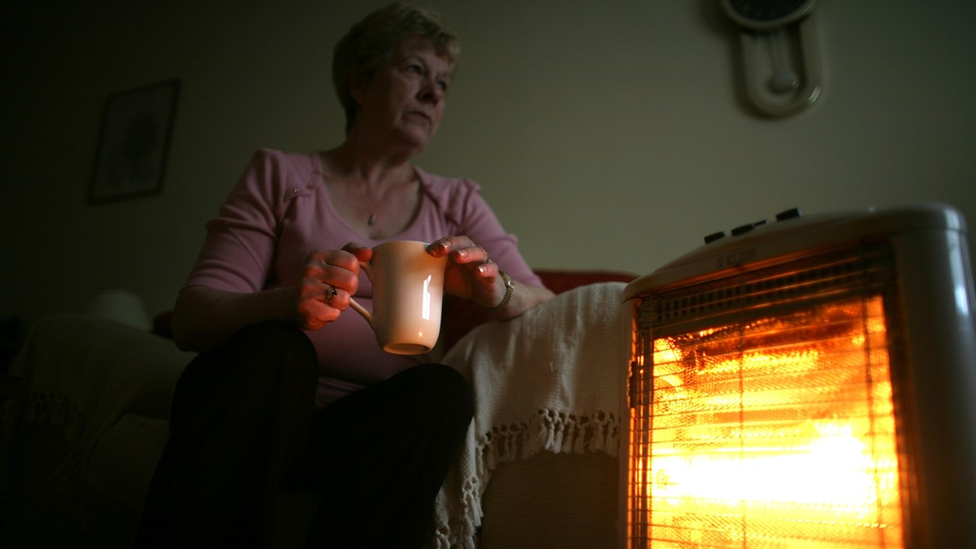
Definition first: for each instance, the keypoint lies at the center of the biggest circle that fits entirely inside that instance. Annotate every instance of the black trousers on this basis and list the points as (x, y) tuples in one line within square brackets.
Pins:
[(243, 425)]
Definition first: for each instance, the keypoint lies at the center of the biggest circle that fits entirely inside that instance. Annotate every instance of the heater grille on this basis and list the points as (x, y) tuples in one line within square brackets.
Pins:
[(796, 284), (762, 412)]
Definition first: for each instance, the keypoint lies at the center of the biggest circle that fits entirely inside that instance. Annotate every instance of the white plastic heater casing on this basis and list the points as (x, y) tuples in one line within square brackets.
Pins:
[(935, 285)]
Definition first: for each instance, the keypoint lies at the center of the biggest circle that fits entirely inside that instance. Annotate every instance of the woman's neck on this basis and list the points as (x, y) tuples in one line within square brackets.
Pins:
[(371, 161), (375, 195)]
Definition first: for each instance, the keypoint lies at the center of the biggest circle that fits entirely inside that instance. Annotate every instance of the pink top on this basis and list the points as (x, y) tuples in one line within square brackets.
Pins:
[(280, 210)]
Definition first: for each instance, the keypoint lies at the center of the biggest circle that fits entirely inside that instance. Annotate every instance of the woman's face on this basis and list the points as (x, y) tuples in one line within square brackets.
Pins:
[(406, 97)]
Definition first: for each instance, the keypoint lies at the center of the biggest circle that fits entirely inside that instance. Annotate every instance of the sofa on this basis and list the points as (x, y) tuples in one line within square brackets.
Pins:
[(79, 446)]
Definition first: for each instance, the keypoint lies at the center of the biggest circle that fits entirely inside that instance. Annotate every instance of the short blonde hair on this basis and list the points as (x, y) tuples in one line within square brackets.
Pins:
[(370, 42)]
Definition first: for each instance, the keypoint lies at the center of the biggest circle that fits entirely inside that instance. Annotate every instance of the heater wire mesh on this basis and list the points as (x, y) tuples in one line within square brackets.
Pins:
[(745, 391)]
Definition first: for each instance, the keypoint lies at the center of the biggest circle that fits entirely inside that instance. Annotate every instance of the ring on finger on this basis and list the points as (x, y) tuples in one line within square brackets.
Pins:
[(330, 294), (487, 258)]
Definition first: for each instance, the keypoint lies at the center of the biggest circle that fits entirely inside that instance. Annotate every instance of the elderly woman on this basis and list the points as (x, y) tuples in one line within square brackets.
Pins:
[(290, 386)]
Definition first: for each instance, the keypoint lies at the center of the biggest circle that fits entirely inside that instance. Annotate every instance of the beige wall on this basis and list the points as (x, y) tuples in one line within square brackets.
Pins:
[(606, 133)]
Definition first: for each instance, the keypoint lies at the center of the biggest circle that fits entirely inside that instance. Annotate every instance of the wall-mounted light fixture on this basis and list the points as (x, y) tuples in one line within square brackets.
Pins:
[(780, 53)]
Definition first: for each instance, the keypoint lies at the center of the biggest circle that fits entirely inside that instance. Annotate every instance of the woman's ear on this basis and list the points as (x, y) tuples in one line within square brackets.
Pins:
[(357, 87)]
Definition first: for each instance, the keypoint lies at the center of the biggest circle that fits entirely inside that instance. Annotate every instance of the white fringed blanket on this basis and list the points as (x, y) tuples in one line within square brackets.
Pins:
[(82, 374), (550, 380)]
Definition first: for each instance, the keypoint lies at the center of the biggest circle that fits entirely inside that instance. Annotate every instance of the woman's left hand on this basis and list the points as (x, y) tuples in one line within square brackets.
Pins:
[(470, 273)]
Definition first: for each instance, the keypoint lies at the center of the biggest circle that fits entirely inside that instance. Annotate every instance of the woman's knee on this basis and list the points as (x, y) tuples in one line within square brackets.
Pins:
[(280, 335), (444, 390), (266, 364), (266, 344), (255, 359)]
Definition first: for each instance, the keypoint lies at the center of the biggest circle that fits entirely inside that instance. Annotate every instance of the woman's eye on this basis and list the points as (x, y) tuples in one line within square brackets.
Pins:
[(416, 69), (443, 85)]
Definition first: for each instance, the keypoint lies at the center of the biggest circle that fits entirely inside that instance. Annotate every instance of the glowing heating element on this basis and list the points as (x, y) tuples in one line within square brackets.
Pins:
[(778, 432)]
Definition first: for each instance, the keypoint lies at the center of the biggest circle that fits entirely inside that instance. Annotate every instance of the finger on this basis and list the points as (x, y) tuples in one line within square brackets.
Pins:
[(460, 248), (472, 255), (440, 248), (336, 267), (450, 244), (313, 315), (345, 259), (315, 281), (488, 270), (337, 298), (329, 295), (361, 253)]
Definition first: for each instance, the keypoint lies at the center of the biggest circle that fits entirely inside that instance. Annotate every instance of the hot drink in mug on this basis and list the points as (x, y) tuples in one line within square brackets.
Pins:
[(408, 288)]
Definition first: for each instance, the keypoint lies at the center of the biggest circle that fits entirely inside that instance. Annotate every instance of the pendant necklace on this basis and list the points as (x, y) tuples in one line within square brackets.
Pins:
[(372, 215)]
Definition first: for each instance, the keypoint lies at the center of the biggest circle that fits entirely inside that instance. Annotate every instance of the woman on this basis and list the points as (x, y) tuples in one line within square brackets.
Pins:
[(290, 386)]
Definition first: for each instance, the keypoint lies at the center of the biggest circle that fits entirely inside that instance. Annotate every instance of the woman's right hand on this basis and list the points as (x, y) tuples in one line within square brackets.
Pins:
[(329, 279), (204, 318)]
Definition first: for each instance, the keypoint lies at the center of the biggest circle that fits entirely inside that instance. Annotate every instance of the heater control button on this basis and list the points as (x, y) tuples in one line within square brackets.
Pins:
[(742, 229), (714, 236), (791, 213)]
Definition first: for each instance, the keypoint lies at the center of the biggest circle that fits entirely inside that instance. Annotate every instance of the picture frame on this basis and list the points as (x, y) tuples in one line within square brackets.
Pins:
[(134, 142)]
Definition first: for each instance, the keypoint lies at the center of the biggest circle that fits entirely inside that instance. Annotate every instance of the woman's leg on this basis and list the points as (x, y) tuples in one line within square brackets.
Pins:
[(380, 456), (240, 416)]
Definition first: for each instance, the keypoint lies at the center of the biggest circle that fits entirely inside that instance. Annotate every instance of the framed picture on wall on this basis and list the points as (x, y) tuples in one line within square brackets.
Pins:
[(134, 142)]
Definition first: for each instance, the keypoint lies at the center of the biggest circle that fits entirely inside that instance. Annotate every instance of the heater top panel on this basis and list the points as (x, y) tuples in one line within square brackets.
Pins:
[(757, 243)]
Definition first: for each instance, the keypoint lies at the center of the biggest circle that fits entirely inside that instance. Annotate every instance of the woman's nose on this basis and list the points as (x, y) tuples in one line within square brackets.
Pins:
[(431, 91)]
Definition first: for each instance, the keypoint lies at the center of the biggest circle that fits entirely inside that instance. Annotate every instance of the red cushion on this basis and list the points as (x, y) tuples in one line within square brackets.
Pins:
[(560, 281)]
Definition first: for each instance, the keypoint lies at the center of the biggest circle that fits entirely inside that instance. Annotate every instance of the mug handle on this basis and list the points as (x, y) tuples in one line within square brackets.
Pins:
[(366, 266)]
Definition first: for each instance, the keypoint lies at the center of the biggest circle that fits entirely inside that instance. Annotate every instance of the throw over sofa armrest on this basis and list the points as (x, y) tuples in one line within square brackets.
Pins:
[(83, 372), (81, 375), (461, 315)]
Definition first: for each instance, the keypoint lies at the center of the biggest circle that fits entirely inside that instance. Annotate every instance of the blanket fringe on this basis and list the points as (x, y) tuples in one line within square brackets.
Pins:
[(549, 430)]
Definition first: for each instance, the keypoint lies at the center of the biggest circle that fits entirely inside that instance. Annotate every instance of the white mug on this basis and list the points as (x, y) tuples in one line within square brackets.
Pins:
[(408, 289)]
